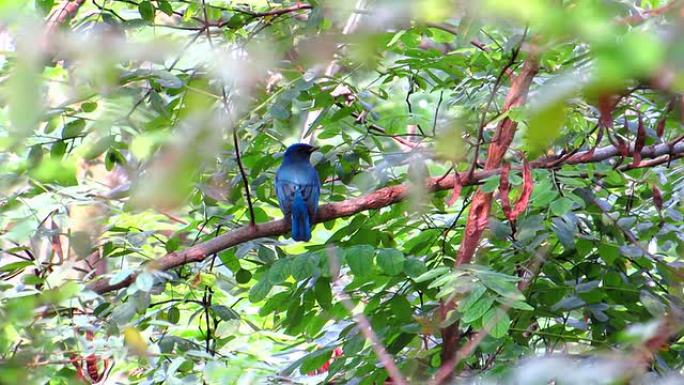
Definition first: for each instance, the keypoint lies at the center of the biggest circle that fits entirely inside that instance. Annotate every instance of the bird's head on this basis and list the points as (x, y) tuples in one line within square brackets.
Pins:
[(299, 151)]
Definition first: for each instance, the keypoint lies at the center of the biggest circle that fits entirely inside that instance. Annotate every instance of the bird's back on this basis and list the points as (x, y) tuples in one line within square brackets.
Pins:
[(297, 176)]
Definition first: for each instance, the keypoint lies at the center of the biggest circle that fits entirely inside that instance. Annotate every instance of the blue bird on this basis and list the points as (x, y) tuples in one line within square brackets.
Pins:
[(298, 188)]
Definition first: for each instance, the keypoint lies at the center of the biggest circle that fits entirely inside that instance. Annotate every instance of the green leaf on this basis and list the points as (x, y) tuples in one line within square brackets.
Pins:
[(73, 129), (224, 312), (497, 321), (401, 309), (15, 266), (396, 37), (516, 304), (354, 345), (146, 10), (391, 261), (243, 276), (44, 5), (173, 315), (414, 267), (259, 291), (360, 259), (54, 171), (400, 342), (58, 149), (144, 281), (35, 155), (88, 106), (561, 206), (165, 7), (477, 309), (609, 253), (230, 260), (99, 147), (112, 158), (323, 293), (544, 127), (490, 184), (304, 266), (279, 271), (502, 284), (431, 274), (315, 360), (120, 276), (475, 294), (279, 112), (123, 313)]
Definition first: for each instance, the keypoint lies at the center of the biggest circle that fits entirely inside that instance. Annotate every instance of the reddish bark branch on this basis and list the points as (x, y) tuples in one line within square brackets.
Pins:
[(482, 202), (375, 200), (524, 199), (65, 12)]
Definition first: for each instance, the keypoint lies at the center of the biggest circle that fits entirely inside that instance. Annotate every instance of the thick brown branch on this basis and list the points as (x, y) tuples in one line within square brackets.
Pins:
[(375, 200)]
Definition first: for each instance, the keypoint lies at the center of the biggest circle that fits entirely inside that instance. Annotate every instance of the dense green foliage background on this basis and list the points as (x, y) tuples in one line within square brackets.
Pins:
[(117, 147)]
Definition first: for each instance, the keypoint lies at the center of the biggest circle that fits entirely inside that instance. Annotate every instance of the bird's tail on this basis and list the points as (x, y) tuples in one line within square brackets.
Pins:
[(301, 225)]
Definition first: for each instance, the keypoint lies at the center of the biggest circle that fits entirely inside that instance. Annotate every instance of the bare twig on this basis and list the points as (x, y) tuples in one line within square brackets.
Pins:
[(243, 174), (439, 104)]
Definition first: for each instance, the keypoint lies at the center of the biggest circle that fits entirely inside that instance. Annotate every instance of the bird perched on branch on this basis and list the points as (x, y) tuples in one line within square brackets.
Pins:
[(298, 187)]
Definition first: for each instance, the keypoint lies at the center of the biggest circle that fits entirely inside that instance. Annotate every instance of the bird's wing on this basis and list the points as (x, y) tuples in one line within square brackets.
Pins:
[(285, 192), (310, 194)]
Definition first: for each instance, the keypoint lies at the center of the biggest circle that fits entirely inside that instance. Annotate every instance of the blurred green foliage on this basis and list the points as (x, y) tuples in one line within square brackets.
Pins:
[(116, 138)]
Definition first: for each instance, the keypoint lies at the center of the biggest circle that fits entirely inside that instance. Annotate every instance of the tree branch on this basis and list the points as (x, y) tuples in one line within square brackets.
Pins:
[(481, 204), (378, 199), (478, 216), (67, 10), (275, 12)]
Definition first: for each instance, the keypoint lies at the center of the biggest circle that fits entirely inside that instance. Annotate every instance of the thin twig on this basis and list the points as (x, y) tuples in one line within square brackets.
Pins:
[(410, 107), (434, 120), (244, 178)]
